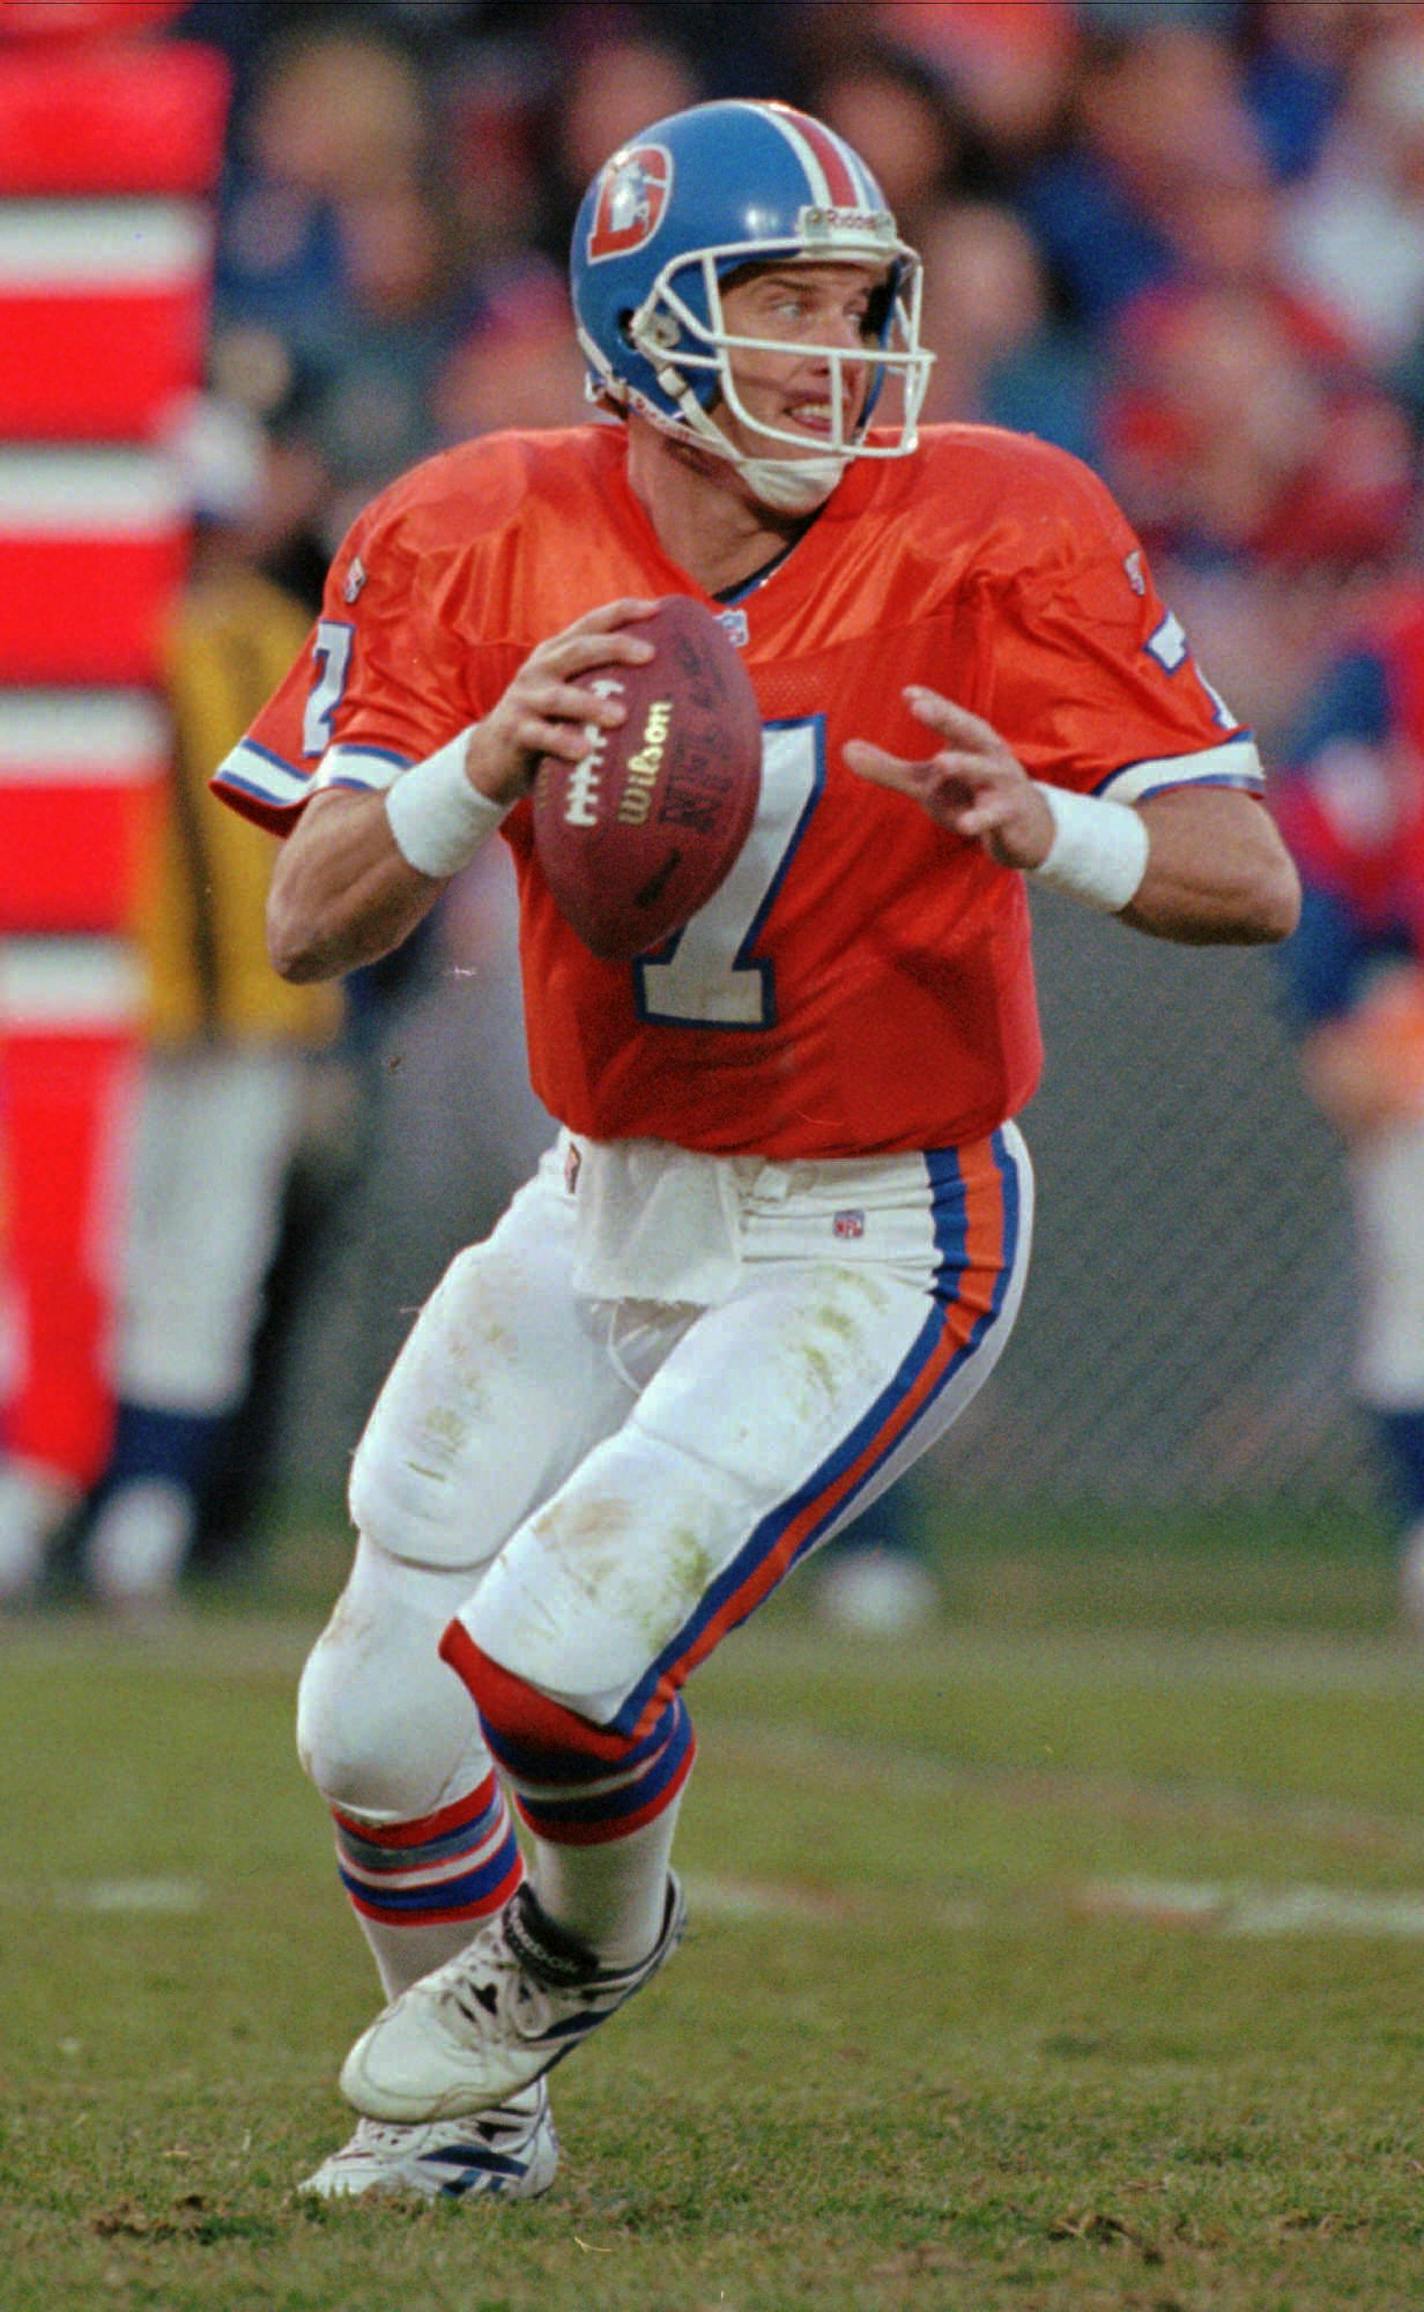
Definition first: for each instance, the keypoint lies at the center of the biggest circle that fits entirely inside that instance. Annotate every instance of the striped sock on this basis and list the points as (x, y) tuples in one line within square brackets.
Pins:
[(601, 1805), (574, 1782), (612, 1896), (418, 1887)]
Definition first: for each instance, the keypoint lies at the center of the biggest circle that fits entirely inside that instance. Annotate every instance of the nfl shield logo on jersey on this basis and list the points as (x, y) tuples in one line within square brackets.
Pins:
[(631, 200)]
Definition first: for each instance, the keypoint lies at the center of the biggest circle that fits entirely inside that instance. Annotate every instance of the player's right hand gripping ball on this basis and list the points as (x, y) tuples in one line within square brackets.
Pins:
[(638, 836)]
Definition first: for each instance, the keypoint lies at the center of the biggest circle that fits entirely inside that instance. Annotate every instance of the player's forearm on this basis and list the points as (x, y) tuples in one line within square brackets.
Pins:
[(342, 894), (1217, 872)]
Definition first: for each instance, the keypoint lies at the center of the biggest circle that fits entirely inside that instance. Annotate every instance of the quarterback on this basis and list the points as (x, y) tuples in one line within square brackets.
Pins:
[(782, 1237)]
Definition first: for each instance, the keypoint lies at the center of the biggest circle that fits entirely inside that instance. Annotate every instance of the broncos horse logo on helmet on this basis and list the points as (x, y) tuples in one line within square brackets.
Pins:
[(697, 198), (632, 194)]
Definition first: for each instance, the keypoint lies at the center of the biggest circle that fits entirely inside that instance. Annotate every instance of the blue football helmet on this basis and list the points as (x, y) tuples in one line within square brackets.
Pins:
[(696, 198)]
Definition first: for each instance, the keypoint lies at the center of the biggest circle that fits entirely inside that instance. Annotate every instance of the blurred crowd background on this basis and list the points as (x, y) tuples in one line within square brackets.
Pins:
[(1182, 238)]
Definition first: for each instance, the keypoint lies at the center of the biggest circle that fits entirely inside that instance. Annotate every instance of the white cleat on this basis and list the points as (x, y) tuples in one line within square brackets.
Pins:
[(510, 2152), (495, 2018)]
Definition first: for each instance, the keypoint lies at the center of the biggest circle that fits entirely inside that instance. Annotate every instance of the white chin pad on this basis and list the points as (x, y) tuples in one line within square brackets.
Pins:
[(793, 485)]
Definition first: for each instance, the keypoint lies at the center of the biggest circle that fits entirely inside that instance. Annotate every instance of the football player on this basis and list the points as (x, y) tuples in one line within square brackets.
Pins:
[(781, 1240)]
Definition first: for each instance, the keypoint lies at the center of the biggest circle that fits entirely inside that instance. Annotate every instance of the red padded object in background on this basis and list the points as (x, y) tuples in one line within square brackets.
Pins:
[(93, 549), (82, 781), (146, 118)]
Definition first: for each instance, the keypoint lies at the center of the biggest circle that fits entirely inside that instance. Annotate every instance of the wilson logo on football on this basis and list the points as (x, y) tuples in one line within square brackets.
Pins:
[(631, 201), (644, 766)]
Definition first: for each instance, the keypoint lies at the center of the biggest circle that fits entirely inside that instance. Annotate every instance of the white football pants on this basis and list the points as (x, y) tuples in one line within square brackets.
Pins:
[(602, 1488)]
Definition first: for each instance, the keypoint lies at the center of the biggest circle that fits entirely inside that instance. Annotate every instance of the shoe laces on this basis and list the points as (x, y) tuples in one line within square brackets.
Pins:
[(402, 2140), (382, 2135), (492, 1992)]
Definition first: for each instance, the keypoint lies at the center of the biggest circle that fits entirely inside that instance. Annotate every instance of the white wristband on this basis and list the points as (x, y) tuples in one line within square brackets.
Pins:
[(1099, 849), (437, 818)]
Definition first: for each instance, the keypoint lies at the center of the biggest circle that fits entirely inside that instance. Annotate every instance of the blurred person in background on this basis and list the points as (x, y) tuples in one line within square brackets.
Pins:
[(1297, 56), (1010, 68), (610, 86), (227, 1071), (1352, 806), (1003, 355), (344, 242), (336, 114), (911, 125), (1145, 106), (1352, 231), (1266, 468), (519, 364), (1272, 484)]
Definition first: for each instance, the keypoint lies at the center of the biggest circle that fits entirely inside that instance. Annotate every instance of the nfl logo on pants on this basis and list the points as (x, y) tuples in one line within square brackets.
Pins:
[(848, 1225)]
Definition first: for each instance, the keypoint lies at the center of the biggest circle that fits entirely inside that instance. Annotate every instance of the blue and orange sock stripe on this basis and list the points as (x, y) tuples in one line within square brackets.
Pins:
[(460, 1862), (573, 1782)]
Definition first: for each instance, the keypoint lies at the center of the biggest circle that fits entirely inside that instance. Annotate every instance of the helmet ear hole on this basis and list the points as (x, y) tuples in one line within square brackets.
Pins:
[(663, 331)]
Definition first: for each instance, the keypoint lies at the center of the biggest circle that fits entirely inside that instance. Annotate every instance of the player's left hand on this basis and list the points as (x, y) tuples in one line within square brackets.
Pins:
[(973, 783)]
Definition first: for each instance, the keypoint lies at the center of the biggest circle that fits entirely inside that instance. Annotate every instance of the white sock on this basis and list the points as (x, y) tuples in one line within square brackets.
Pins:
[(612, 1896), (404, 1954)]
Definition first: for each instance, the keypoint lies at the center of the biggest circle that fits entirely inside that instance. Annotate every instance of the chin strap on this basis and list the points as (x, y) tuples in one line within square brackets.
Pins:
[(787, 485), (792, 485)]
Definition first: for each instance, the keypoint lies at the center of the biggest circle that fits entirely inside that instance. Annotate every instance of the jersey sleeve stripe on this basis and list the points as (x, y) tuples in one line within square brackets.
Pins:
[(1235, 764), (253, 770), (371, 767)]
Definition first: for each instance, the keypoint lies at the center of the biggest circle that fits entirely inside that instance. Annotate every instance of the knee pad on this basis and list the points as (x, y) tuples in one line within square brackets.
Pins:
[(384, 1729)]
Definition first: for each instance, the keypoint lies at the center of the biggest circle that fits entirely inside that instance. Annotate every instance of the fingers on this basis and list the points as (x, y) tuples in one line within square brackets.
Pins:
[(950, 771), (975, 751), (610, 614), (561, 718), (569, 741), (882, 769), (974, 748), (598, 638), (547, 710), (952, 721), (974, 785), (575, 653)]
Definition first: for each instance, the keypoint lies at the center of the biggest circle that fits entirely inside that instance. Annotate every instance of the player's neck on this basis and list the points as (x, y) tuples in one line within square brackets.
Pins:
[(705, 516)]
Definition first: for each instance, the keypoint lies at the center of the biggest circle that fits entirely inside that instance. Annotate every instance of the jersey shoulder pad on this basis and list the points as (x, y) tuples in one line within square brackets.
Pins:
[(1031, 503), (479, 488)]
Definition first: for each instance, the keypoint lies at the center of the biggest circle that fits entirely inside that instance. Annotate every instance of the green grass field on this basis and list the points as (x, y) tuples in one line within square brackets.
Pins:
[(1073, 1957)]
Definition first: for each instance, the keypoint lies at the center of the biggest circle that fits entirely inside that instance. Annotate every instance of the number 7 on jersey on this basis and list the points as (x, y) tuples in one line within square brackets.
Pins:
[(706, 975)]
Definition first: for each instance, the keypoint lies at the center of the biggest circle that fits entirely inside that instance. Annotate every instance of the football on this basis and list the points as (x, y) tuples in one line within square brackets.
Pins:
[(638, 836)]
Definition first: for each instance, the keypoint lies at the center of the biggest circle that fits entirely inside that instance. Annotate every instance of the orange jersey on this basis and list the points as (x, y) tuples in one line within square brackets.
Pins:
[(862, 982)]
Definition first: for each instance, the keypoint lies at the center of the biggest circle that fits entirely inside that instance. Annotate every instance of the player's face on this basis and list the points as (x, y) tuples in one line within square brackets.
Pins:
[(803, 307)]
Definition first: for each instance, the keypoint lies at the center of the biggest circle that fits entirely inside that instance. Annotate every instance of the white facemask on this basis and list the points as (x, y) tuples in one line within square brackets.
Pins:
[(787, 485)]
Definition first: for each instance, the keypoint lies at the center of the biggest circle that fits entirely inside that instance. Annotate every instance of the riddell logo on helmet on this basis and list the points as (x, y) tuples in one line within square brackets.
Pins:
[(837, 224), (632, 199)]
